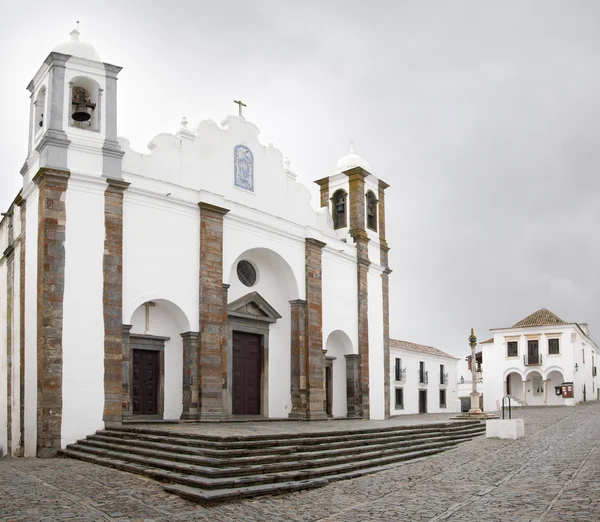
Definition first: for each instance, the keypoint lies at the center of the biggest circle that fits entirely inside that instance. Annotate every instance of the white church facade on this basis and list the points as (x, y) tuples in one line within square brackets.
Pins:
[(196, 282)]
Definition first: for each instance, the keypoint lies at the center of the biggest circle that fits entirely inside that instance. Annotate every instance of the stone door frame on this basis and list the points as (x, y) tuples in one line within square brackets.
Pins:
[(251, 314), (151, 343)]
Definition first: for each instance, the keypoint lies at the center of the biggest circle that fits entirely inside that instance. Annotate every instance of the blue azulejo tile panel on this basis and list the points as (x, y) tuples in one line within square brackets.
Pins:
[(243, 168)]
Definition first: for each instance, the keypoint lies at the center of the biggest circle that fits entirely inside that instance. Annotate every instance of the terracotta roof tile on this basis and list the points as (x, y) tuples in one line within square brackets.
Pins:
[(429, 350), (542, 317), (489, 341)]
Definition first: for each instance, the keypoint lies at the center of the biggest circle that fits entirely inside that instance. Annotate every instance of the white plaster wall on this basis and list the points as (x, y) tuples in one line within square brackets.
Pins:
[(411, 386), (161, 248), (3, 362), (497, 365), (31, 239), (338, 345), (376, 366), (167, 320), (83, 320), (206, 162), (272, 271), (340, 301)]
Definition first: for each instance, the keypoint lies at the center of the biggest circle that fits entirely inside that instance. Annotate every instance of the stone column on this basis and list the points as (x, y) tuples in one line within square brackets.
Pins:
[(298, 362), (525, 392), (213, 337), (474, 393), (505, 387), (52, 184), (112, 300), (23, 206), (385, 284), (224, 351), (190, 375), (356, 179), (126, 373), (545, 383), (314, 330), (9, 254), (324, 190), (353, 385)]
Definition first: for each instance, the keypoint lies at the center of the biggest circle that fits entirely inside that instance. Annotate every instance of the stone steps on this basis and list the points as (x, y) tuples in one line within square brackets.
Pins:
[(206, 468), (277, 453)]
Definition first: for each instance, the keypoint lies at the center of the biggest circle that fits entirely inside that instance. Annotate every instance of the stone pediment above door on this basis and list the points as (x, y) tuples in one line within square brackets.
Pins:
[(253, 306)]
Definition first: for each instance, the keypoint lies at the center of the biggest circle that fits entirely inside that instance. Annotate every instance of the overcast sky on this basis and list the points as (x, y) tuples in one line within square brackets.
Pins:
[(482, 116)]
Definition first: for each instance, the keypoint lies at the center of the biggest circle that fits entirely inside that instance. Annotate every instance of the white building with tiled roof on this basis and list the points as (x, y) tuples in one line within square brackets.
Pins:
[(540, 360), (423, 379)]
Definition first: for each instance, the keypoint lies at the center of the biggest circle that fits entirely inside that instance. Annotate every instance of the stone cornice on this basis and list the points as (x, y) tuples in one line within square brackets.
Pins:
[(323, 181), (57, 138), (358, 233), (383, 185), (316, 242), (356, 173), (112, 70), (55, 59), (48, 174), (117, 183), (213, 208)]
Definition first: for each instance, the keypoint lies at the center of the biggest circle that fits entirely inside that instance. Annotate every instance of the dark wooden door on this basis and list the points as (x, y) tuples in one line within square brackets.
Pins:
[(329, 390), (532, 352), (246, 374), (145, 382), (422, 401)]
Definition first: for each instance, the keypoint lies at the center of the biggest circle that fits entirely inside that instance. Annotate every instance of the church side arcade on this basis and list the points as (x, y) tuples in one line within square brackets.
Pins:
[(195, 282)]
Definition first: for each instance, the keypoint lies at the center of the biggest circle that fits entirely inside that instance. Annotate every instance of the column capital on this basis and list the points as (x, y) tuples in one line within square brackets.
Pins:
[(315, 242), (117, 183), (212, 208), (47, 174)]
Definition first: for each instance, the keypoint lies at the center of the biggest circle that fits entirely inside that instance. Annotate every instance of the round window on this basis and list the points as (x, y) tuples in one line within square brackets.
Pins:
[(246, 273)]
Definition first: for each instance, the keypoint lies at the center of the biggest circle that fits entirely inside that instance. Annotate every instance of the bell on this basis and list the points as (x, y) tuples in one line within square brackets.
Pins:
[(82, 113)]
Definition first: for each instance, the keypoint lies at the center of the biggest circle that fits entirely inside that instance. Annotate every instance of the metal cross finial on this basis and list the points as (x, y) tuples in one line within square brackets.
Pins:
[(78, 25), (240, 105)]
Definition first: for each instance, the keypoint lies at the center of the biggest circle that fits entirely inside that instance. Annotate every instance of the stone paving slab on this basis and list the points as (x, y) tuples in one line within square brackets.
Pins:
[(275, 427), (552, 474)]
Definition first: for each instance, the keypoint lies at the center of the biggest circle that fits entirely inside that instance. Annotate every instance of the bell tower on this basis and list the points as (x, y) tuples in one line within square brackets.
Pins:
[(73, 113), (356, 201)]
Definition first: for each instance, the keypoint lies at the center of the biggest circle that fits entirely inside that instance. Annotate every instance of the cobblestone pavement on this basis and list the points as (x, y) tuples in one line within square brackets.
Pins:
[(553, 474)]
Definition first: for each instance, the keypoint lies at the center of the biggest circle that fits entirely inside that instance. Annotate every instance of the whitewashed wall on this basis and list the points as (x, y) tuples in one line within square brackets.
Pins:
[(83, 319), (573, 343), (411, 386)]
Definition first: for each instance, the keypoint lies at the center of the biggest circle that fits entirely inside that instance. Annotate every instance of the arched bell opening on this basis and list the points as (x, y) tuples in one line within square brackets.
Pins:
[(85, 103)]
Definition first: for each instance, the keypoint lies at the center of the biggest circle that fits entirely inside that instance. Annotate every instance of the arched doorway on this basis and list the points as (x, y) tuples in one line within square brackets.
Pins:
[(153, 360), (262, 293), (337, 346), (554, 379), (514, 386)]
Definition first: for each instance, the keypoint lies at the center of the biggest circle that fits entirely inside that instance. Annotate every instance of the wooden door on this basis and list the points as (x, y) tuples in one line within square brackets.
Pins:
[(246, 374), (329, 390), (144, 385), (532, 352), (422, 401)]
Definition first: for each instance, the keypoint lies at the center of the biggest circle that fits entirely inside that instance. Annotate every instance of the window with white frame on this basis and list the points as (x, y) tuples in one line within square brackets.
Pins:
[(399, 396), (512, 349), (398, 369), (553, 346)]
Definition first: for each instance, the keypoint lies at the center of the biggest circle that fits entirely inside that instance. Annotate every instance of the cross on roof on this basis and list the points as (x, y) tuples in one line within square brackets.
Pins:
[(240, 105)]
